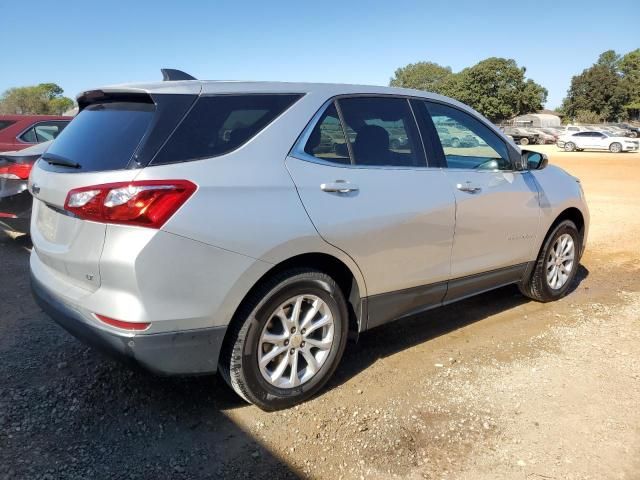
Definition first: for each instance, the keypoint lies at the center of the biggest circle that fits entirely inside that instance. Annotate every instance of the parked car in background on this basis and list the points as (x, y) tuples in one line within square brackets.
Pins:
[(595, 140), (162, 239), (543, 137), (634, 130), (22, 131), (521, 135), (554, 132), (15, 199)]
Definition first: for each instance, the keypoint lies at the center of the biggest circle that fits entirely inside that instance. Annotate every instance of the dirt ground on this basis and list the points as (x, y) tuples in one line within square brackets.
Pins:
[(495, 387)]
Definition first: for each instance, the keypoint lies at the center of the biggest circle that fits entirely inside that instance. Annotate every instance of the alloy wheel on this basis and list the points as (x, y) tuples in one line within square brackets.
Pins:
[(560, 261), (296, 341)]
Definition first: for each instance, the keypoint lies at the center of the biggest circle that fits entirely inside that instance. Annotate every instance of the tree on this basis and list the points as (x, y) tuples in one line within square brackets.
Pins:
[(427, 76), (496, 87), (610, 88), (45, 99)]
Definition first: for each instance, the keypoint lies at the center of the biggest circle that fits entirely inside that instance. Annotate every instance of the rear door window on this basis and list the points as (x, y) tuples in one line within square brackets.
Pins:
[(104, 136), (221, 123), (382, 132), (46, 131)]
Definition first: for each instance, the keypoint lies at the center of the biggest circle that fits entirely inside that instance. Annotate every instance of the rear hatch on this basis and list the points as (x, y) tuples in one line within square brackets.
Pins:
[(113, 137)]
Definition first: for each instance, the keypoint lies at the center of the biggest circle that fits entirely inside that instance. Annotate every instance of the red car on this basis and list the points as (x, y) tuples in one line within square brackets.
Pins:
[(22, 131)]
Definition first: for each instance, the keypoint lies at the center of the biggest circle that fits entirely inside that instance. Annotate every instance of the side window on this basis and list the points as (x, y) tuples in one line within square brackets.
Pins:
[(382, 132), (29, 136), (468, 143), (219, 124), (327, 138), (48, 130)]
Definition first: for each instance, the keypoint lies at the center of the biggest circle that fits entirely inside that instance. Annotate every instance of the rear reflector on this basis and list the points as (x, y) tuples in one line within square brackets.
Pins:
[(16, 171), (132, 326), (148, 203)]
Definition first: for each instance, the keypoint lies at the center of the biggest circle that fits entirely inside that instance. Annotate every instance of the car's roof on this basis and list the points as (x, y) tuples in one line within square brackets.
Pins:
[(238, 86)]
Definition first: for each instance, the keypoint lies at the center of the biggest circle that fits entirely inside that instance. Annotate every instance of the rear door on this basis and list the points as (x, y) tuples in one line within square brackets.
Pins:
[(362, 176), (97, 147), (497, 209)]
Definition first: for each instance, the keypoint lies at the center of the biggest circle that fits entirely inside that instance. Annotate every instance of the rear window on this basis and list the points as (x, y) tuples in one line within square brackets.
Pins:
[(104, 136), (219, 124), (5, 123)]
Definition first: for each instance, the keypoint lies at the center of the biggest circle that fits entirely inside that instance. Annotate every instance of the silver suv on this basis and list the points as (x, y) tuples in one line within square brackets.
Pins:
[(194, 226)]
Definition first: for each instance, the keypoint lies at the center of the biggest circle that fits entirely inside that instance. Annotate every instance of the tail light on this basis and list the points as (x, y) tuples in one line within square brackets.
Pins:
[(16, 171), (148, 203)]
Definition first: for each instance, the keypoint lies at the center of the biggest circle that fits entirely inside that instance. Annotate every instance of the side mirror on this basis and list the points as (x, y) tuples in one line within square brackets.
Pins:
[(533, 160)]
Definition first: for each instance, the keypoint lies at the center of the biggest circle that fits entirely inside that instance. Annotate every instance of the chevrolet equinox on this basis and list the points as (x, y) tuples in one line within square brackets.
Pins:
[(249, 228)]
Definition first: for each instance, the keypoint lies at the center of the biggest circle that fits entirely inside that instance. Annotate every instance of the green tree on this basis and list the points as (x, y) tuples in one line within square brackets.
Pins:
[(45, 98), (630, 69), (609, 88), (496, 87), (427, 76)]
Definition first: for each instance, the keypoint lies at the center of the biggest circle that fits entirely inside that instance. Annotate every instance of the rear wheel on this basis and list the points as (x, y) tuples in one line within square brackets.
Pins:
[(556, 265), (569, 147), (524, 141), (287, 340), (615, 147)]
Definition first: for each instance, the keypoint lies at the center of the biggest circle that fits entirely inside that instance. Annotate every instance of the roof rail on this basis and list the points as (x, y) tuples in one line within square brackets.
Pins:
[(171, 74)]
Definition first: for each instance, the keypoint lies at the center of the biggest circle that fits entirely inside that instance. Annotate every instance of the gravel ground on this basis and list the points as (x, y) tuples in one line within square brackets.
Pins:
[(493, 387)]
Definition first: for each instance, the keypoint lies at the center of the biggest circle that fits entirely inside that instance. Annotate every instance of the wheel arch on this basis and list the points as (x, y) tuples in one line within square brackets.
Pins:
[(346, 279), (571, 213)]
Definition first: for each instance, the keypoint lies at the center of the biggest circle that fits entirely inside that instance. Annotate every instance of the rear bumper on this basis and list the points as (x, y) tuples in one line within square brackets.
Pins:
[(190, 352)]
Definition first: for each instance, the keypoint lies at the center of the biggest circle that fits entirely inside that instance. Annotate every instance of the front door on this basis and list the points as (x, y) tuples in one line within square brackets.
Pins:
[(368, 190), (497, 207)]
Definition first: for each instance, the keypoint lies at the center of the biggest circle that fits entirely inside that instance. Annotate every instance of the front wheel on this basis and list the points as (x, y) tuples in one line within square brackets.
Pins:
[(556, 265), (569, 147), (524, 141), (615, 147), (287, 340)]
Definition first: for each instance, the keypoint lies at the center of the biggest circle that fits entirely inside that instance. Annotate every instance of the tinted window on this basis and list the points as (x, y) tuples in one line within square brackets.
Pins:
[(219, 124), (104, 136), (29, 136), (46, 131), (5, 123), (382, 131), (467, 142), (327, 138)]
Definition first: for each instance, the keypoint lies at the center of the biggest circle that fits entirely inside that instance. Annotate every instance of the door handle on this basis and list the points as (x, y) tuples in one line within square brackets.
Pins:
[(339, 186), (467, 187)]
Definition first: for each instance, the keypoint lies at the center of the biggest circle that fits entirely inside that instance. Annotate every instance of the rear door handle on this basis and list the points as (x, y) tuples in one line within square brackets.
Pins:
[(467, 187), (339, 186)]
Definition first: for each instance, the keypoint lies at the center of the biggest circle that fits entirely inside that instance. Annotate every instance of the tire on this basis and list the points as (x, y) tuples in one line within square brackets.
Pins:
[(524, 141), (455, 142), (394, 145), (256, 318), (569, 147), (540, 141), (633, 134), (615, 147), (538, 286)]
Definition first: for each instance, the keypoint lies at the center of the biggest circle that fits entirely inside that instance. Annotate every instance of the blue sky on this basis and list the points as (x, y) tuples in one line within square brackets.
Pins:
[(81, 45)]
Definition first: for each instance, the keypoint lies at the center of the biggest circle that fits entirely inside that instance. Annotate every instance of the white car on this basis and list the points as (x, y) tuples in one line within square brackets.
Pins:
[(597, 141)]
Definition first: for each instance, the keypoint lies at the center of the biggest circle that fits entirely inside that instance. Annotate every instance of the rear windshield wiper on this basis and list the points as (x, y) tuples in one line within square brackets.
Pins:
[(53, 159)]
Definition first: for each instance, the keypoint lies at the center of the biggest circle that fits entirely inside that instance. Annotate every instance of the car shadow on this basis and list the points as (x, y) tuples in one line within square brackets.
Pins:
[(405, 333), (67, 411)]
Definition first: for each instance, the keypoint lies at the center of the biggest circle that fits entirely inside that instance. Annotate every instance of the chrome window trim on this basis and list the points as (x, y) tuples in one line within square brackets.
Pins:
[(297, 151)]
